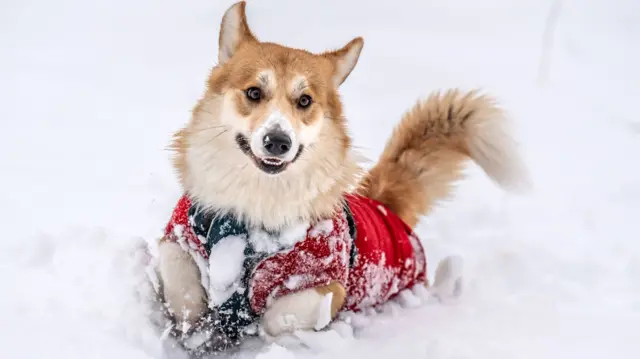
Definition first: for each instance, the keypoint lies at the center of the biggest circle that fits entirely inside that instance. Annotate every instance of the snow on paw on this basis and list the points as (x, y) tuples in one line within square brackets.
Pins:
[(278, 323), (324, 312), (301, 310), (196, 340)]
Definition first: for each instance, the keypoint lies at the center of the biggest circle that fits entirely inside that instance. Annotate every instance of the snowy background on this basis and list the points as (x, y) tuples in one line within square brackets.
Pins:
[(90, 92)]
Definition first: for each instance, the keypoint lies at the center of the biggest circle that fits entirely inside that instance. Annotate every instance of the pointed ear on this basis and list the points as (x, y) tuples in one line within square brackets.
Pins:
[(234, 30), (344, 60)]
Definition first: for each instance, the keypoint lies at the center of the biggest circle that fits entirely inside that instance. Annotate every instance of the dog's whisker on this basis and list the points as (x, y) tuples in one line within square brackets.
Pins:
[(207, 112), (208, 128), (216, 136), (200, 130)]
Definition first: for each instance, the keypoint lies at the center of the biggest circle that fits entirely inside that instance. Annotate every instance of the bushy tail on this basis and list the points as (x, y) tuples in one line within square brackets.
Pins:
[(428, 148)]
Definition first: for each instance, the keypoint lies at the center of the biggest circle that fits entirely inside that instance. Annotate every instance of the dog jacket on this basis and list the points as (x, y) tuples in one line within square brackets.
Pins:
[(365, 247)]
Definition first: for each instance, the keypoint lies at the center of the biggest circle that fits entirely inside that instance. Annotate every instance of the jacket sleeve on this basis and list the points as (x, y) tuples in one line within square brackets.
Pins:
[(178, 229), (323, 257)]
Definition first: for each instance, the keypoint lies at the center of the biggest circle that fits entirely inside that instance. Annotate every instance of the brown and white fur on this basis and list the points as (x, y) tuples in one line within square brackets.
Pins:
[(222, 158)]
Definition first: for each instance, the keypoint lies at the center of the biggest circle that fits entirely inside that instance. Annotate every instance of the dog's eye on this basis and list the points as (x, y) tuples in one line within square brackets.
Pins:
[(253, 94), (304, 101)]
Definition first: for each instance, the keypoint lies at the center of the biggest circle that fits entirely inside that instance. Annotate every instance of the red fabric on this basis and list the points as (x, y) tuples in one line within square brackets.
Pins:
[(318, 260), (179, 230), (389, 256)]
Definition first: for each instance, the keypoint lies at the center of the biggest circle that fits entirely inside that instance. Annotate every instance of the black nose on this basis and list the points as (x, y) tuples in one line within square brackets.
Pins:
[(277, 143)]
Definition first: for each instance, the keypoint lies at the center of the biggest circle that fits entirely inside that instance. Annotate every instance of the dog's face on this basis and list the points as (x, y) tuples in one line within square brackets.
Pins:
[(277, 102), (269, 132)]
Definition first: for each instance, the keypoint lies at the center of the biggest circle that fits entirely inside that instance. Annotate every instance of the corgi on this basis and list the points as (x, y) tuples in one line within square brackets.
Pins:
[(279, 224)]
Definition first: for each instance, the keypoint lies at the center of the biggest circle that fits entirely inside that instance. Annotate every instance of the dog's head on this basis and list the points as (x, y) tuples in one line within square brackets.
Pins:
[(268, 140)]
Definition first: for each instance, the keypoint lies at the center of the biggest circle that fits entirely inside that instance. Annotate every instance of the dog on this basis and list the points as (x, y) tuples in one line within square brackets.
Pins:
[(279, 223)]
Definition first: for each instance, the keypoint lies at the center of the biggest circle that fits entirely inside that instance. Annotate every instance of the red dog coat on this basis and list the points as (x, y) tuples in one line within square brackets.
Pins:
[(365, 247)]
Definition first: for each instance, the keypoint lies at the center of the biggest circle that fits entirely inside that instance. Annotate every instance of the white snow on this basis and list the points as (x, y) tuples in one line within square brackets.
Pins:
[(92, 91), (324, 312), (408, 299), (202, 239), (322, 228), (225, 268), (286, 239), (293, 234), (178, 230), (447, 279), (294, 281), (276, 351), (263, 241), (196, 340)]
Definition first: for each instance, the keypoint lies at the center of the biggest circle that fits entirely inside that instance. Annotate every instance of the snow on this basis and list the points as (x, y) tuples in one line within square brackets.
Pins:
[(322, 228), (324, 312), (293, 234), (294, 281), (226, 262), (276, 351), (447, 279), (270, 243), (92, 91), (408, 299), (263, 241)]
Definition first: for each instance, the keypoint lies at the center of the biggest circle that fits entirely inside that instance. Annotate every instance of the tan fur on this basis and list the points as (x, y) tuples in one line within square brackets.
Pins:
[(428, 148), (181, 283)]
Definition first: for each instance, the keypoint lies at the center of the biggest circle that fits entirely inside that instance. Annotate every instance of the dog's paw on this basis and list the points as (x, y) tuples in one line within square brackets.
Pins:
[(305, 310)]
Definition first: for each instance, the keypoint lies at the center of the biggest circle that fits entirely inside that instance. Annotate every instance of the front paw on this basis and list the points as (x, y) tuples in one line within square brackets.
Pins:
[(204, 337), (309, 309)]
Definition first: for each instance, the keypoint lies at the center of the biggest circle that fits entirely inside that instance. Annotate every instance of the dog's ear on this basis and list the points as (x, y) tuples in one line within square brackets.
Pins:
[(234, 30), (344, 60)]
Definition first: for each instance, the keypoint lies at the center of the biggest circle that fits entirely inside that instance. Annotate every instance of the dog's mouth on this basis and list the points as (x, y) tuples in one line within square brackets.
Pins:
[(270, 165)]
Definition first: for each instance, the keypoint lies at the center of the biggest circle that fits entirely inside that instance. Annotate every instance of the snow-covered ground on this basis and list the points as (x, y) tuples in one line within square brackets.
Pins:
[(91, 91)]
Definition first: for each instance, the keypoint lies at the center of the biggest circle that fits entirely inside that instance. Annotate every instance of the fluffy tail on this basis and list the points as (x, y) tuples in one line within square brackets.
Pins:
[(428, 148)]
